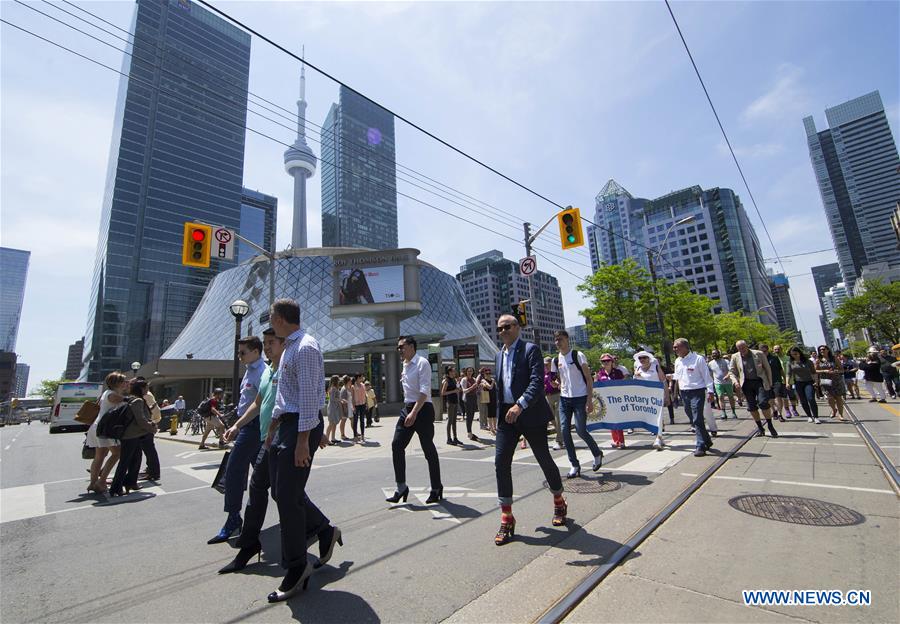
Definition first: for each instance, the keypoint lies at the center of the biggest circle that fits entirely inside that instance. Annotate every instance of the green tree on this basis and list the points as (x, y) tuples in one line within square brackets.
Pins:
[(47, 388), (876, 310), (687, 315), (623, 304), (734, 326)]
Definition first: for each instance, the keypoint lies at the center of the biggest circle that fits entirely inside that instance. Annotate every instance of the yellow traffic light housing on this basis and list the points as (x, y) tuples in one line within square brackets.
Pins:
[(518, 311), (196, 245), (571, 234)]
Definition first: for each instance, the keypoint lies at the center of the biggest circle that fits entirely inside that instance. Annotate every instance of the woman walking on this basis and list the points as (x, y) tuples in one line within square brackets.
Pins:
[(646, 367), (116, 388), (141, 424), (802, 374), (608, 372), (469, 388), (335, 408), (346, 396), (359, 409), (450, 396), (831, 380), (874, 378)]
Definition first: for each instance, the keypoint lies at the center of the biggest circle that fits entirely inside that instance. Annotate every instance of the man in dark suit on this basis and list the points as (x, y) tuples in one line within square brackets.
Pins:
[(522, 410)]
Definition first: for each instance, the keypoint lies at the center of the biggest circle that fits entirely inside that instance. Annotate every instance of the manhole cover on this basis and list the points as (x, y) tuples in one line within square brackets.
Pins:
[(796, 510), (583, 485)]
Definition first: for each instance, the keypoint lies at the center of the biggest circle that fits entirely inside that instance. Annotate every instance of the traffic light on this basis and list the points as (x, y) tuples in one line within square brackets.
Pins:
[(571, 233), (518, 311), (195, 248)]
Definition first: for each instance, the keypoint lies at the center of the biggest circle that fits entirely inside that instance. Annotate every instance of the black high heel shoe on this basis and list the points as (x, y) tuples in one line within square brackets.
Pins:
[(398, 496), (325, 557), (435, 495), (243, 557), (294, 587)]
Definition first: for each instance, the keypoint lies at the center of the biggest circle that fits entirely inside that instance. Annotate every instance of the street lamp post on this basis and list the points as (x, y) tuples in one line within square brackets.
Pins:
[(239, 309), (134, 368), (663, 339)]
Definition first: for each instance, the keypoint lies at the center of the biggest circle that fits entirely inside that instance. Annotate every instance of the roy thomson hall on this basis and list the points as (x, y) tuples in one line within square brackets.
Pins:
[(355, 303)]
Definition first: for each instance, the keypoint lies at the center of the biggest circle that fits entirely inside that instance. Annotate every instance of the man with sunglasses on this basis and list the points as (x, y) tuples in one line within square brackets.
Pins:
[(246, 446), (522, 410)]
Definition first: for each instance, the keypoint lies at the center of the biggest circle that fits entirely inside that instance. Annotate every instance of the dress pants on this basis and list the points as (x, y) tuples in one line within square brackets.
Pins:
[(694, 403), (553, 401), (507, 439), (129, 465), (242, 455), (424, 428), (288, 484), (148, 447), (258, 502)]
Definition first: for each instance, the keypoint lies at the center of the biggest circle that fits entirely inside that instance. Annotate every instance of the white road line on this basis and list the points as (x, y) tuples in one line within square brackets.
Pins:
[(802, 483), (653, 461), (471, 459), (18, 503), (839, 434)]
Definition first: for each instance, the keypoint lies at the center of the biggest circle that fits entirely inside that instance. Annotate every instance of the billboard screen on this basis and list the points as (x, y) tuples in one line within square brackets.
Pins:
[(371, 285)]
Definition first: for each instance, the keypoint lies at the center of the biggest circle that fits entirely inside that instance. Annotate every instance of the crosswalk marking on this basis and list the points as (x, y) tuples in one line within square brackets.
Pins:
[(653, 462), (844, 434), (17, 503), (204, 472)]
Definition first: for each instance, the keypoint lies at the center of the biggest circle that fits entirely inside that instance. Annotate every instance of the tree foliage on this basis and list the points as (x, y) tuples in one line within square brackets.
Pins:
[(47, 388), (877, 310), (622, 298)]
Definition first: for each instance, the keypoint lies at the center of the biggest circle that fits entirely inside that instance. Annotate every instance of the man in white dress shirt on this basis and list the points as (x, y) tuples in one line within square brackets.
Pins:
[(696, 385)]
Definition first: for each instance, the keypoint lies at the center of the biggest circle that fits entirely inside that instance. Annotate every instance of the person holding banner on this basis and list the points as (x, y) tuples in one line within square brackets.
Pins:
[(609, 372), (576, 400), (646, 367), (522, 410), (693, 377)]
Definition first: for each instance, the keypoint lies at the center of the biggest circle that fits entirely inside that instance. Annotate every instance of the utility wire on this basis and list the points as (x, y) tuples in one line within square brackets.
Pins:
[(805, 253)]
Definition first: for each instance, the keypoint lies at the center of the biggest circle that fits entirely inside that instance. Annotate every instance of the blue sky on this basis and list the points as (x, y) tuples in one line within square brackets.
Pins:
[(561, 96)]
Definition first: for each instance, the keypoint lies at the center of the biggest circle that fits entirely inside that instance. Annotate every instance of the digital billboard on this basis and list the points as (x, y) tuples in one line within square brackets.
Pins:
[(371, 285)]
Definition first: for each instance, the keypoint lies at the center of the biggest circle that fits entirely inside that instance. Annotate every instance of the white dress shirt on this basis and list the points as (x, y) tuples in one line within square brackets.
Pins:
[(301, 387), (692, 373), (416, 379)]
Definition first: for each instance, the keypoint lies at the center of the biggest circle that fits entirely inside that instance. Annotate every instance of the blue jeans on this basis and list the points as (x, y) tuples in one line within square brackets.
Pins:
[(567, 408), (807, 395), (241, 457), (694, 402)]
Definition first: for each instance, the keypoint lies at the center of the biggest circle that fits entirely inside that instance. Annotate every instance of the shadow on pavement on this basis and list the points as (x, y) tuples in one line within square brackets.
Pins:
[(598, 548)]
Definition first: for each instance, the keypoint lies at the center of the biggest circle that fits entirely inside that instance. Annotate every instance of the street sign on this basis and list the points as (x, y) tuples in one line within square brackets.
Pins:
[(224, 243), (527, 266)]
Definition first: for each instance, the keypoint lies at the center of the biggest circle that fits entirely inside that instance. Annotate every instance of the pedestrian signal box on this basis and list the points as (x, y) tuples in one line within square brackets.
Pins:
[(518, 311), (196, 245), (571, 233)]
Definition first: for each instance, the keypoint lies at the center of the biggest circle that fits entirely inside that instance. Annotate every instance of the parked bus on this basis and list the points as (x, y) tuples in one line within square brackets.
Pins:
[(68, 400)]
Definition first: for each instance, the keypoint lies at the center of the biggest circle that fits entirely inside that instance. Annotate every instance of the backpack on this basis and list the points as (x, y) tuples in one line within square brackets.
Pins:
[(588, 383), (204, 408), (115, 421)]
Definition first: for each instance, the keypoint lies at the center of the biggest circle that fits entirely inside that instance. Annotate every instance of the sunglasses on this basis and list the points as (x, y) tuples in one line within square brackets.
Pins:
[(505, 327), (400, 347), (643, 357)]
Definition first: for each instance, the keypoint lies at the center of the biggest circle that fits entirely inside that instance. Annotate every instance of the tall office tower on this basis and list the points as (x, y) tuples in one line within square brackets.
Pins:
[(492, 285), (73, 360), (781, 299), (359, 175), (22, 373), (831, 301), (824, 277), (300, 164), (259, 222), (716, 250), (856, 164), (177, 155), (13, 274)]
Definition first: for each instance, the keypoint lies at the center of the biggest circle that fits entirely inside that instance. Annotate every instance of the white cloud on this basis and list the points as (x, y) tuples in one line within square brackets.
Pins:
[(787, 98)]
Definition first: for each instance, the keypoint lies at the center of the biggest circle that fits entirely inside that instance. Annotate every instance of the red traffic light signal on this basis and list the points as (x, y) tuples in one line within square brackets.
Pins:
[(195, 245), (198, 235)]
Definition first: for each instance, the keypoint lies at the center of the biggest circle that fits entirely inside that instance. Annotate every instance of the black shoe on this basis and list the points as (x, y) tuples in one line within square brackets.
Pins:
[(243, 557), (708, 445), (700, 453), (435, 496), (295, 581), (398, 496), (761, 433), (327, 539), (714, 433), (450, 442), (771, 429), (233, 526), (457, 442)]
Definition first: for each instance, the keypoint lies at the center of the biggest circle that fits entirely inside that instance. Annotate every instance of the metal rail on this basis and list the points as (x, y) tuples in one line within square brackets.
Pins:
[(890, 471), (567, 603)]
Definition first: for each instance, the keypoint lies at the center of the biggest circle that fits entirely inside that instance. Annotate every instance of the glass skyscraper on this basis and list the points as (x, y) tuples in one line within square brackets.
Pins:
[(781, 298), (856, 165), (824, 277), (717, 251), (13, 273), (177, 155), (259, 217), (359, 175)]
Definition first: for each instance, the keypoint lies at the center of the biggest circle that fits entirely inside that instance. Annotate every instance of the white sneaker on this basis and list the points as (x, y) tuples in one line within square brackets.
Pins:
[(658, 444), (817, 421), (809, 419), (557, 447)]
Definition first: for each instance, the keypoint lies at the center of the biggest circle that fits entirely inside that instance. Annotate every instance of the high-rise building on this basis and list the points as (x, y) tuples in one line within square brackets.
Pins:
[(702, 237), (259, 222), (73, 361), (824, 277), (300, 164), (177, 155), (359, 175), (492, 285), (781, 300), (22, 372), (7, 375), (856, 164), (579, 337), (13, 274), (831, 301)]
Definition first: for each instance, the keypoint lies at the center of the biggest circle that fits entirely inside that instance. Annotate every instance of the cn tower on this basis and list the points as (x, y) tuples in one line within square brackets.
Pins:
[(300, 163)]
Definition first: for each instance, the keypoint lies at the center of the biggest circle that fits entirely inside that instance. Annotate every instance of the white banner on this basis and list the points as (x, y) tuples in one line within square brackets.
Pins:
[(627, 404)]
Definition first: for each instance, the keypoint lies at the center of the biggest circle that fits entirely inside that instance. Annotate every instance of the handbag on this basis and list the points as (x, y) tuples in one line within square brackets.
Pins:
[(485, 397), (824, 381), (88, 452), (88, 412), (218, 483)]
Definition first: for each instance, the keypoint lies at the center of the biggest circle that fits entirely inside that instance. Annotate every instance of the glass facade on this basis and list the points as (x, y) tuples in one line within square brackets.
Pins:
[(13, 274), (781, 298), (176, 155), (856, 164), (359, 175), (824, 277), (259, 218), (305, 276)]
